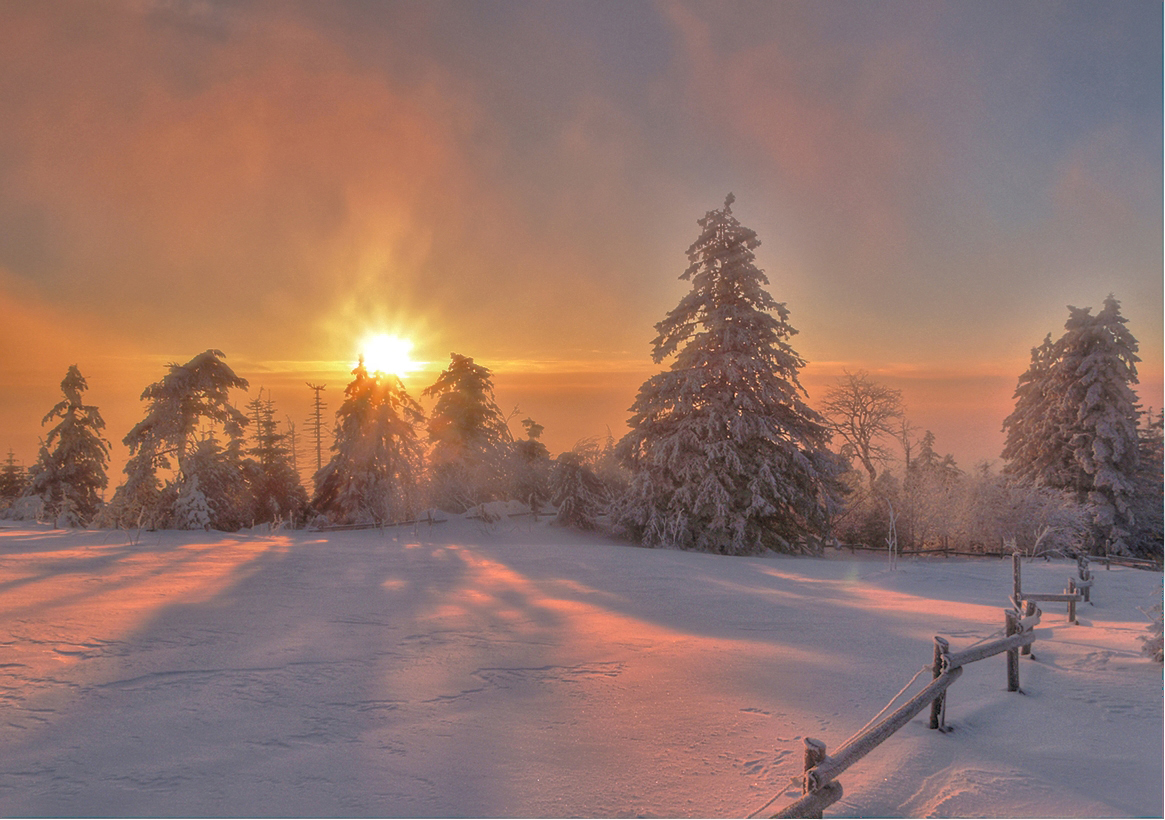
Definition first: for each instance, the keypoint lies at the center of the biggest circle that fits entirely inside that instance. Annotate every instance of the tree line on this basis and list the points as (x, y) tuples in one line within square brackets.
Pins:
[(724, 453)]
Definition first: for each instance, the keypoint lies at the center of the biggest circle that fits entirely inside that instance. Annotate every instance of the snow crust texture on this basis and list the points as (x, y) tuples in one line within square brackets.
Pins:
[(518, 669)]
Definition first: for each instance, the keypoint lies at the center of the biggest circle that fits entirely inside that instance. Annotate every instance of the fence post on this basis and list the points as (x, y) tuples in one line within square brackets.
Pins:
[(1028, 610), (1071, 604), (1085, 575), (814, 754), (1011, 624), (941, 647), (1015, 578)]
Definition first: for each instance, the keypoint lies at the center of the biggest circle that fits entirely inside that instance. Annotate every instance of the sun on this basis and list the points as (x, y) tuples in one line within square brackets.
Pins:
[(388, 354)]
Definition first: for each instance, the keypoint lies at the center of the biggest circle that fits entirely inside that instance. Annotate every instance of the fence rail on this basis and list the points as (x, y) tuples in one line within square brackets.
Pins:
[(819, 786), (1136, 563)]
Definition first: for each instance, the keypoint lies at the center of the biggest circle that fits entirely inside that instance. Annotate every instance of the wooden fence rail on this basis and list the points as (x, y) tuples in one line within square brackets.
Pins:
[(819, 786)]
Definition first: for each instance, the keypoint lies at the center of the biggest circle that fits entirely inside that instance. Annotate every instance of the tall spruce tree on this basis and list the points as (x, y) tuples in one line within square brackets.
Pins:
[(69, 475), (1075, 422), (377, 459), (724, 453), (470, 440)]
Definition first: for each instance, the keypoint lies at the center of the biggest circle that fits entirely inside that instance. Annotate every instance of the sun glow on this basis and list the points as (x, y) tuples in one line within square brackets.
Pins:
[(388, 354)]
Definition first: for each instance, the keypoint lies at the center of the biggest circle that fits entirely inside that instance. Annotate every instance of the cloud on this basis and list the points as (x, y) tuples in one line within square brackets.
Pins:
[(845, 130), (246, 176), (518, 182)]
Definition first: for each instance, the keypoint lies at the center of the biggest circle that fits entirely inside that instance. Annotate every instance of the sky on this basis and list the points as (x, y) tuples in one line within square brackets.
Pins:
[(932, 183)]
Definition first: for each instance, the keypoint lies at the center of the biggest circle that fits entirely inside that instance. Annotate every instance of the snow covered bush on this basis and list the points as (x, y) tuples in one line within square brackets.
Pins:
[(27, 508), (992, 509), (603, 461), (724, 454), (1153, 644), (191, 512)]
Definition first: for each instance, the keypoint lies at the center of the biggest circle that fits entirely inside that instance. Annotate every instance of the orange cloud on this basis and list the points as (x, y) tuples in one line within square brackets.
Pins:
[(249, 176)]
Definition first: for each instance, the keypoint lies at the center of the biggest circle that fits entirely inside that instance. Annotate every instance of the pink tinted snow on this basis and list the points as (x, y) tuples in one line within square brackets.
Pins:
[(522, 670)]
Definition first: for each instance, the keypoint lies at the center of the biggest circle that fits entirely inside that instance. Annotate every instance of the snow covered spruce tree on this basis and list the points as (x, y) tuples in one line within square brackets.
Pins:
[(1075, 422), (724, 453), (69, 475), (215, 478), (13, 480), (470, 440), (173, 437), (277, 494), (1150, 517), (376, 461), (577, 492), (529, 467)]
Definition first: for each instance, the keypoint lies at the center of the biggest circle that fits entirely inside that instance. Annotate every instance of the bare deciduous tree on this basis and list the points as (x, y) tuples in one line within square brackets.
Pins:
[(864, 414)]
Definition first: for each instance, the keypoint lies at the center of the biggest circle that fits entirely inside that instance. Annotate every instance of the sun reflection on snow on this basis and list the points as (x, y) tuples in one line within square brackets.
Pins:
[(82, 594)]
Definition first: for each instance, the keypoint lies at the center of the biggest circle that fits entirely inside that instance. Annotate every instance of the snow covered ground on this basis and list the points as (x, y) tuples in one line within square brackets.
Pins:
[(520, 670)]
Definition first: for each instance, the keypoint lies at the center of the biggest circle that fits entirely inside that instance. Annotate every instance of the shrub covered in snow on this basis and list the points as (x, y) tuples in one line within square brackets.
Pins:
[(1153, 644)]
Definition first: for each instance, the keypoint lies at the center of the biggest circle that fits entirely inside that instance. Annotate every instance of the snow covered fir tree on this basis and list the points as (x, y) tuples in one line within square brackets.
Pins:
[(470, 442), (277, 494), (1075, 428), (725, 455), (529, 468), (577, 493), (376, 463), (69, 474), (13, 480), (200, 481)]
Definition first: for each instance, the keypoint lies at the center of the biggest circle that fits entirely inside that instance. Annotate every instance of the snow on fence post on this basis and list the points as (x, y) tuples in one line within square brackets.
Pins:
[(941, 647), (1029, 610), (814, 801), (1085, 574), (1011, 625), (814, 754)]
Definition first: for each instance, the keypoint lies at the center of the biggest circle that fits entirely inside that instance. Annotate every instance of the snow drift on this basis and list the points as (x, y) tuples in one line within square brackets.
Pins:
[(517, 669)]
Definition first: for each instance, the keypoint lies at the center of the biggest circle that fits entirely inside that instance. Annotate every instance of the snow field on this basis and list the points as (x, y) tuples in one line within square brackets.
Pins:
[(519, 669)]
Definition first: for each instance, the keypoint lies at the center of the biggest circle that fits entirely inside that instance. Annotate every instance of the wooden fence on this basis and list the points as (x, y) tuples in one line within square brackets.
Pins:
[(819, 786), (1151, 564)]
